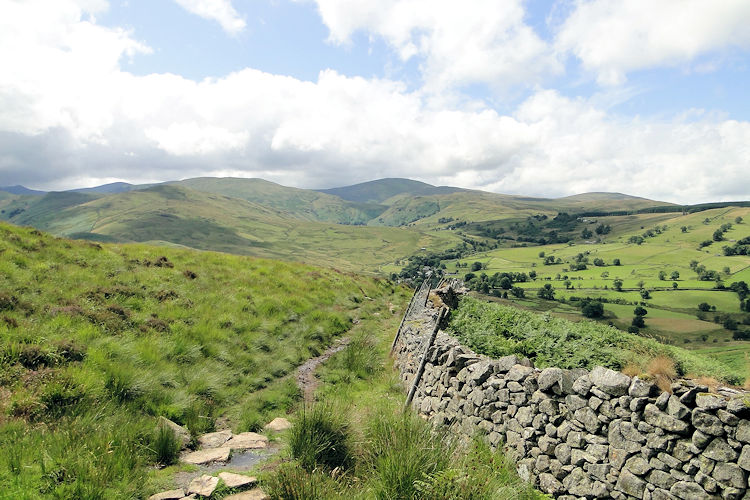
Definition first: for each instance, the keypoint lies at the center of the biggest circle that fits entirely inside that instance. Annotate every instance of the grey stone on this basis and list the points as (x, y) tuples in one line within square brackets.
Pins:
[(582, 385), (588, 418), (214, 439), (727, 417), (637, 465), (684, 450), (519, 372), (729, 475), (577, 482), (181, 433), (661, 479), (549, 407), (662, 400), (562, 453), (579, 457), (548, 484), (575, 439), (640, 388), (744, 460), (480, 372), (720, 451), (638, 404), (688, 491), (738, 404), (743, 431), (707, 423), (631, 484), (505, 363), (168, 495), (701, 440), (574, 402), (677, 409), (232, 480), (709, 402), (657, 418), (200, 457)]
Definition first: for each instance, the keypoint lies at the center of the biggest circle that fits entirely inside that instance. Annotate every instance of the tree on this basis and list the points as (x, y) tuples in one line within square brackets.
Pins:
[(517, 291), (616, 262), (718, 235), (729, 323), (684, 229), (476, 266), (704, 306), (541, 255), (727, 271), (640, 311), (675, 285), (617, 284), (593, 309), (567, 284), (675, 275), (546, 292), (738, 220), (605, 274), (662, 275), (532, 274), (638, 322), (645, 294), (599, 262), (586, 233), (506, 283)]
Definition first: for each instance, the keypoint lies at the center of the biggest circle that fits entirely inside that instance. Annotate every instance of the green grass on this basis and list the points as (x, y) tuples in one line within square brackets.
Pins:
[(497, 330), (98, 341), (394, 455)]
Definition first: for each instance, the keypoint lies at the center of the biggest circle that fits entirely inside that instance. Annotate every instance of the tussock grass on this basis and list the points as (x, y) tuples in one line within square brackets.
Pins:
[(98, 341)]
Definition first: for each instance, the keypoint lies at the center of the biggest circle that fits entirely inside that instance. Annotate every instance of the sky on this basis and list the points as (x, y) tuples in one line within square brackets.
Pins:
[(536, 97)]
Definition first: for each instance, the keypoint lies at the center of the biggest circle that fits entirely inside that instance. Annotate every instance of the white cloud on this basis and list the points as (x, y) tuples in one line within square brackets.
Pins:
[(69, 112), (484, 41), (220, 11), (615, 37)]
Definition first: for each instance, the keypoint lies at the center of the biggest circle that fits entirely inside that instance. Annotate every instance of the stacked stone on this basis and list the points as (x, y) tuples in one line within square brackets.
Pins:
[(581, 434)]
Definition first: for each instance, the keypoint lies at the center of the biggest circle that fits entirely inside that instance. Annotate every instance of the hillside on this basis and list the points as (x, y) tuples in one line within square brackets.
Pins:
[(98, 341), (299, 203), (381, 190), (173, 215)]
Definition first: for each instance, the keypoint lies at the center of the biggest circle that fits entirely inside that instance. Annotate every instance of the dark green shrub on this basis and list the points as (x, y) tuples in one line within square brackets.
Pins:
[(166, 446)]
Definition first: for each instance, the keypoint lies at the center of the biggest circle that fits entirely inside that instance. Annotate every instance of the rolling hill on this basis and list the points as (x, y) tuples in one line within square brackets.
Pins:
[(381, 190)]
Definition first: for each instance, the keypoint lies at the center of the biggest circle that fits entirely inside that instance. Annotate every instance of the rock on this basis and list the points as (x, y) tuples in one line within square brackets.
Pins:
[(232, 480), (657, 418), (743, 431), (504, 364), (688, 491), (582, 385), (214, 439), (519, 372), (661, 479), (744, 460), (710, 401), (637, 465), (248, 441), (708, 424), (640, 388), (701, 440), (720, 451), (609, 381), (677, 409), (255, 494), (207, 456), (168, 495), (630, 484), (729, 475), (182, 434), (203, 485), (278, 424), (548, 484)]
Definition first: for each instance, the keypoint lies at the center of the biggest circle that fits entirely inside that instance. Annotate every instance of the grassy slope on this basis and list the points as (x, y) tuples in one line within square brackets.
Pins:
[(300, 203), (181, 216), (383, 190), (95, 343)]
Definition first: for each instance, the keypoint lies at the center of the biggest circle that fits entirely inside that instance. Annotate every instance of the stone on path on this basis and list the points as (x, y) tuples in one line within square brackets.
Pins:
[(236, 480), (256, 494), (205, 456), (278, 424), (214, 439), (182, 434), (203, 485), (247, 441), (168, 495)]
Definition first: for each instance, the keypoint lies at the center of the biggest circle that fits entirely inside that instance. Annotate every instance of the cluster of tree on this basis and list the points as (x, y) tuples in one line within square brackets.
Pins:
[(590, 308), (743, 293), (719, 233), (546, 292), (703, 273), (638, 318), (674, 276), (742, 247), (445, 220), (484, 283), (420, 266)]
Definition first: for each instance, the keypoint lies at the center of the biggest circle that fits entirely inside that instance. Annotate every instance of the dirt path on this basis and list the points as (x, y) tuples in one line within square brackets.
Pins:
[(306, 380)]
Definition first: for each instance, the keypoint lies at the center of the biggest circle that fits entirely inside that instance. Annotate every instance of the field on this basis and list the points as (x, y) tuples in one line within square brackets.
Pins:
[(672, 311), (98, 341)]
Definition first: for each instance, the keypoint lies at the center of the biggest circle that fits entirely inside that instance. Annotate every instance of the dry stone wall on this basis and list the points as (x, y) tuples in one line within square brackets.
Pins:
[(581, 434)]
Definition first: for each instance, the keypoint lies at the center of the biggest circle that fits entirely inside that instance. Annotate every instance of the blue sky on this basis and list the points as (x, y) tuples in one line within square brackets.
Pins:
[(537, 97)]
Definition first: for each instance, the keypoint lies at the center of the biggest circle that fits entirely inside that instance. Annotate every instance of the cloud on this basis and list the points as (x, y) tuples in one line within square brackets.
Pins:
[(70, 116), (458, 44), (220, 11), (614, 37)]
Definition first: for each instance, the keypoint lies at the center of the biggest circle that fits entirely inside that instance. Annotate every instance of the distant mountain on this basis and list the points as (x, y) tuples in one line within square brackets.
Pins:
[(381, 190), (299, 203), (111, 188), (18, 189)]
